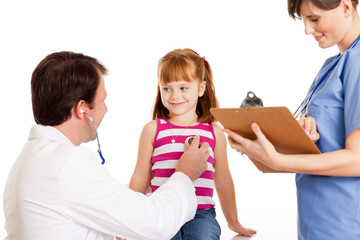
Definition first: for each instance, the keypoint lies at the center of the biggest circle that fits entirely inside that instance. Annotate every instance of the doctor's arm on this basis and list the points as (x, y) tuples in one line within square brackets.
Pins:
[(96, 200), (344, 162)]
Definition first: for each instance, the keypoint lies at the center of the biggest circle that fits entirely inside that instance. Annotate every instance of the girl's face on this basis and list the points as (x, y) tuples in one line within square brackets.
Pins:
[(328, 27), (181, 97)]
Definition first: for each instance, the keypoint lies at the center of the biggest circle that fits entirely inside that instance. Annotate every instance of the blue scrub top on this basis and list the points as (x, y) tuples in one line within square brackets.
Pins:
[(329, 207)]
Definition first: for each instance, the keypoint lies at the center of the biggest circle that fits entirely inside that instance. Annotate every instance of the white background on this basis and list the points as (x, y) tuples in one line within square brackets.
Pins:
[(250, 45)]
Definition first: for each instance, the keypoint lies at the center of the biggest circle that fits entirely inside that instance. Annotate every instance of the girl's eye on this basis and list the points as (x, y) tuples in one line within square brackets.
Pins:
[(183, 88), (166, 89), (314, 19)]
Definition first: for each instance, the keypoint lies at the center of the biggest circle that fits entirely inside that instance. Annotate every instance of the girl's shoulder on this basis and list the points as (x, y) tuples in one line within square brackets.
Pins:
[(151, 124), (150, 128), (155, 126), (216, 126), (218, 130), (219, 136)]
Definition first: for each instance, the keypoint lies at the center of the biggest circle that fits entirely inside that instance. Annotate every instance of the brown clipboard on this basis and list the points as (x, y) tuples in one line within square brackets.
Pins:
[(277, 124)]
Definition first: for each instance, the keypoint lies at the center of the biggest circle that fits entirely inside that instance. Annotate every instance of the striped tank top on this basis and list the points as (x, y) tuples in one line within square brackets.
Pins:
[(169, 145)]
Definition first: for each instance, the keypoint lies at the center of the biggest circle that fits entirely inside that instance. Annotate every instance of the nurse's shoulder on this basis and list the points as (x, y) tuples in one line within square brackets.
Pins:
[(351, 58), (350, 71)]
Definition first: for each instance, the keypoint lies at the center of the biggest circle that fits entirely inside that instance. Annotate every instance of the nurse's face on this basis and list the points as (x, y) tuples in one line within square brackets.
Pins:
[(328, 27)]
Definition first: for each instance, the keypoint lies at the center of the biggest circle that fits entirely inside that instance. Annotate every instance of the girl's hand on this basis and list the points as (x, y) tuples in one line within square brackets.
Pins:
[(260, 149), (309, 125), (238, 228)]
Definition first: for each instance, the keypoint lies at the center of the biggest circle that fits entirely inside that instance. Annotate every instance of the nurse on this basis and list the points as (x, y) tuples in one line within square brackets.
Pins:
[(328, 184)]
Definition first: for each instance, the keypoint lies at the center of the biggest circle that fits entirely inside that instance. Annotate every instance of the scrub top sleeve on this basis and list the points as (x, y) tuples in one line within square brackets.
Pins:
[(351, 83)]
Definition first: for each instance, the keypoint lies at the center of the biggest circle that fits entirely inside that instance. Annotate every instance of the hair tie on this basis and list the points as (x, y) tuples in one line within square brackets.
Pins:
[(204, 58)]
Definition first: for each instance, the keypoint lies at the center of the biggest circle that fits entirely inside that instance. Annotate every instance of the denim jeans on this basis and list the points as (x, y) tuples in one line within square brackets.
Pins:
[(203, 227)]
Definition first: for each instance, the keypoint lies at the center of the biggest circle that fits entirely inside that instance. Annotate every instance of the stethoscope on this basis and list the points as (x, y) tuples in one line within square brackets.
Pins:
[(97, 137), (302, 109)]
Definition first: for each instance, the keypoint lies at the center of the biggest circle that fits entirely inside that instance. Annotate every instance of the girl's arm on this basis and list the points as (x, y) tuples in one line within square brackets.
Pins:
[(225, 185), (344, 162), (140, 180)]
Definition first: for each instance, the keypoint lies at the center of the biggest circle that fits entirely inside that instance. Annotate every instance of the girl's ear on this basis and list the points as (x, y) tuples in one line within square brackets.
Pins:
[(202, 88)]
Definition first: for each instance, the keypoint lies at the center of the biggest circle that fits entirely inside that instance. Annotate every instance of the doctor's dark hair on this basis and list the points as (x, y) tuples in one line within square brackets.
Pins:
[(61, 80), (186, 65), (294, 6)]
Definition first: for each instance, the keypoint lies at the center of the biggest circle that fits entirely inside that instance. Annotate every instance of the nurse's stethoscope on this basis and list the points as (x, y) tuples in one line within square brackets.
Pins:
[(302, 109), (97, 137)]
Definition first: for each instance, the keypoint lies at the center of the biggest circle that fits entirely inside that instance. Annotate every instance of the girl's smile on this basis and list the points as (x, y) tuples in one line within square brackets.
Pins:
[(181, 97), (177, 104)]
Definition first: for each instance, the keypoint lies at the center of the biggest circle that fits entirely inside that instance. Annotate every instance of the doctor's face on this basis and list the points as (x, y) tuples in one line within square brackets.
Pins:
[(99, 106), (326, 26)]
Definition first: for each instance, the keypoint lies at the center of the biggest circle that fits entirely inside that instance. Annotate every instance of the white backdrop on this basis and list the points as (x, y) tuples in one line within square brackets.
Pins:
[(251, 45)]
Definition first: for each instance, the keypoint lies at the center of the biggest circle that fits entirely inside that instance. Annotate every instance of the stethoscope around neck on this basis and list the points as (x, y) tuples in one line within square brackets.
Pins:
[(303, 107), (97, 137)]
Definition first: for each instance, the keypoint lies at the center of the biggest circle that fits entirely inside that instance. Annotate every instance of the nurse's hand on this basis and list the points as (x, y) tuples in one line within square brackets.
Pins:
[(194, 160), (309, 125), (260, 149)]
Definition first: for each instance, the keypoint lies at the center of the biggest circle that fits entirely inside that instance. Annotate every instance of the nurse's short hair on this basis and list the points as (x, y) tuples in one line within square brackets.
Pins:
[(61, 80), (294, 6)]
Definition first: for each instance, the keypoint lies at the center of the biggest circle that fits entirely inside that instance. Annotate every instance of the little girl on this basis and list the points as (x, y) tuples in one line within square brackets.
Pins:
[(182, 110)]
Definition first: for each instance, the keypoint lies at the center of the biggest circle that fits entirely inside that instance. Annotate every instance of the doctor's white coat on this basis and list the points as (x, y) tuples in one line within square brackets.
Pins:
[(56, 190)]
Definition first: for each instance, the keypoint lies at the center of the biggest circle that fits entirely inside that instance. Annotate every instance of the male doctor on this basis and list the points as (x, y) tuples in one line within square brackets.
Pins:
[(58, 189)]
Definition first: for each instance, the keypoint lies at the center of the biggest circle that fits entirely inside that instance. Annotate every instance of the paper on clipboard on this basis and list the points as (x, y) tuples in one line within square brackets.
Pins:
[(277, 124)]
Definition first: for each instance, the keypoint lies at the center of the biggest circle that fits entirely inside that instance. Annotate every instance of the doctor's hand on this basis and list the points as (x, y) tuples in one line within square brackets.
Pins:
[(309, 125), (193, 161), (260, 149)]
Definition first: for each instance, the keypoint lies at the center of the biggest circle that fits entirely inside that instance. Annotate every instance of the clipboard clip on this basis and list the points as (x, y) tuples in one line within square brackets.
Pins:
[(251, 100)]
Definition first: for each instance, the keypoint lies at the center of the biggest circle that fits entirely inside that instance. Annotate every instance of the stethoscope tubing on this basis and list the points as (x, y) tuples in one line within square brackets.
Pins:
[(305, 103), (97, 138)]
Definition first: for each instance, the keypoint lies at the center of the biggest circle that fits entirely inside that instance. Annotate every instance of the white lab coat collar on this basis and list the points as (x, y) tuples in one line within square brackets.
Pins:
[(51, 133)]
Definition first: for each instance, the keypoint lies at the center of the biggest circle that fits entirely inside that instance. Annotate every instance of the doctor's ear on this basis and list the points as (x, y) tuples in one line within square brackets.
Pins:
[(79, 108)]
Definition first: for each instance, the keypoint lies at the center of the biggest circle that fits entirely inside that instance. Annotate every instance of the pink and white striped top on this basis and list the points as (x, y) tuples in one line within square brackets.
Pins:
[(166, 155)]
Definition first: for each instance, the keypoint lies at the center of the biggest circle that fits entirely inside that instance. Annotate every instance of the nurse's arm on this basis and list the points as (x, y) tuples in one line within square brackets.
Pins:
[(345, 162)]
